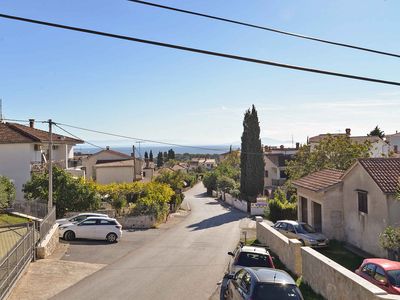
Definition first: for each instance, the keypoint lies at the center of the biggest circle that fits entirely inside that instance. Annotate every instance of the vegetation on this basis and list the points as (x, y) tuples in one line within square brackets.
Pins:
[(69, 193), (338, 253), (377, 132), (389, 239), (333, 152), (7, 192), (281, 208), (251, 158), (225, 176), (160, 160), (6, 219)]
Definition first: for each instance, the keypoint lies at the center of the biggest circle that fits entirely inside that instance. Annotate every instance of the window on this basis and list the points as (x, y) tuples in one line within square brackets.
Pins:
[(369, 269), (246, 282), (107, 222), (380, 275), (89, 222), (290, 228), (144, 174), (266, 173), (362, 201)]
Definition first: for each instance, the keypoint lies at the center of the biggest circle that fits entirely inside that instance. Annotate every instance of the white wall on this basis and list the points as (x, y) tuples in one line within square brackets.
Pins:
[(105, 175), (15, 162), (90, 161)]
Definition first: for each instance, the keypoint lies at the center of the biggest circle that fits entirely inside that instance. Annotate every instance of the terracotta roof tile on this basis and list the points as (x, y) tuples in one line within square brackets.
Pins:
[(319, 180), (384, 171), (12, 133)]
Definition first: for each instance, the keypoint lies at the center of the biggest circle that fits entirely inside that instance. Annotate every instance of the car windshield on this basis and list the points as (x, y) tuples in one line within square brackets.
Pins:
[(394, 277), (254, 260), (304, 228), (275, 291)]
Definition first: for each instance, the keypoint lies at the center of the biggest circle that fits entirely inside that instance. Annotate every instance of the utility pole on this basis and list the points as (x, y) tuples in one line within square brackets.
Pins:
[(134, 163), (50, 200)]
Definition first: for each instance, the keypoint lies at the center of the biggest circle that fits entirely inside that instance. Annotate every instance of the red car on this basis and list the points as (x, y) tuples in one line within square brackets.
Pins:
[(381, 272)]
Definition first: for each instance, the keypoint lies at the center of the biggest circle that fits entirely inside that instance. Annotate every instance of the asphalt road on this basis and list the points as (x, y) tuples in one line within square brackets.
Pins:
[(183, 261)]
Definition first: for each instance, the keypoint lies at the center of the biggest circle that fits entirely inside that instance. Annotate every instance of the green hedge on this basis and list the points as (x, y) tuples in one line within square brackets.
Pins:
[(278, 210)]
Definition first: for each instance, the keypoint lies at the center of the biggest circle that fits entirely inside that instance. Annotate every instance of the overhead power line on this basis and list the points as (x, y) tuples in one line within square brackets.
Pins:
[(77, 137), (201, 51), (138, 139), (267, 28)]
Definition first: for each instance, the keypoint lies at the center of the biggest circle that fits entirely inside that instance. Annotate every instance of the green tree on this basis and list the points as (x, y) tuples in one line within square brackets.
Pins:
[(165, 156), (160, 160), (7, 192), (389, 239), (251, 159), (151, 156), (377, 132), (171, 154), (280, 207), (210, 181), (333, 152), (69, 193), (225, 184), (146, 156)]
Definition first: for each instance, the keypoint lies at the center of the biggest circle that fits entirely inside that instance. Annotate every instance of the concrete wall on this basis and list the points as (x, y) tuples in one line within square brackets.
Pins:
[(141, 222), (49, 243), (324, 276), (362, 230), (333, 281), (288, 250), (105, 175)]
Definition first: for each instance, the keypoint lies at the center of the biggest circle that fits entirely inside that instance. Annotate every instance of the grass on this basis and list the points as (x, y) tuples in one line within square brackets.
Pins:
[(305, 289), (338, 253), (6, 219)]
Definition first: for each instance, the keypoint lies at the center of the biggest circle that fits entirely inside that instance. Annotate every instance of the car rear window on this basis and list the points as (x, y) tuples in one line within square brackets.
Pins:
[(246, 259), (277, 291), (107, 222)]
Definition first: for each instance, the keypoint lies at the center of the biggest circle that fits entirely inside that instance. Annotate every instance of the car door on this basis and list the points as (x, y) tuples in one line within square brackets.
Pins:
[(290, 232), (234, 284), (86, 229), (381, 279), (104, 227), (282, 228)]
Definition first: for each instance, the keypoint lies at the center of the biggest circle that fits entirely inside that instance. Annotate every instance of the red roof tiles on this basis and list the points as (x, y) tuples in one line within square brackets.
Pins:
[(13, 133), (319, 180), (384, 171)]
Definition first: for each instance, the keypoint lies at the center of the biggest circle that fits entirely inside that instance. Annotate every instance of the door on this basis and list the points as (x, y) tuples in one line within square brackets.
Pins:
[(86, 229), (317, 209), (304, 209)]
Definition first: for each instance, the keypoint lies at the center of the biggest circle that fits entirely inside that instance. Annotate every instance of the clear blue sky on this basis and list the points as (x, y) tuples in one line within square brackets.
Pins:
[(163, 94)]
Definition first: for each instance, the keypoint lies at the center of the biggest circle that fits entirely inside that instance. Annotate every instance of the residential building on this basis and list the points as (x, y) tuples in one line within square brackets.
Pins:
[(274, 166), (394, 143), (123, 171), (353, 206), (24, 149), (379, 147), (207, 163)]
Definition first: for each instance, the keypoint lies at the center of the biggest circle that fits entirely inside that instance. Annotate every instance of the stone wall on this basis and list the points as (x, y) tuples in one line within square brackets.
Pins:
[(288, 250), (140, 222), (47, 246)]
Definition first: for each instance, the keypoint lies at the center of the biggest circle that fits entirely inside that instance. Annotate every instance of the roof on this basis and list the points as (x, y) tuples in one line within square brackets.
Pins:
[(357, 139), (13, 133), (113, 152), (385, 263), (319, 180), (271, 275), (121, 163), (318, 138), (384, 171), (290, 222), (362, 139), (253, 249)]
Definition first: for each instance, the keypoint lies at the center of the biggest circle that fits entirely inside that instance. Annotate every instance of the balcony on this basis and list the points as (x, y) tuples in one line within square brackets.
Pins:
[(278, 182)]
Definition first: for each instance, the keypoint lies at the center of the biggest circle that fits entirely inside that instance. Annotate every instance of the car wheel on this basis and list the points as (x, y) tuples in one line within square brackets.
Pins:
[(111, 237), (69, 235), (302, 242)]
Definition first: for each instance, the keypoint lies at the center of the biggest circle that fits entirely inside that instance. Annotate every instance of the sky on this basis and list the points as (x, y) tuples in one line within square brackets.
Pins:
[(179, 97)]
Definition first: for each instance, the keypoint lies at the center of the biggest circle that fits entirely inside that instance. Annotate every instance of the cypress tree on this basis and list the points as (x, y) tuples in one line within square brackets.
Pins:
[(146, 156), (160, 160), (151, 156), (251, 158)]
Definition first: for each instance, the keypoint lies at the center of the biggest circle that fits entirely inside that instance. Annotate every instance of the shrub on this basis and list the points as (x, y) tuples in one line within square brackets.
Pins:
[(7, 192), (280, 208)]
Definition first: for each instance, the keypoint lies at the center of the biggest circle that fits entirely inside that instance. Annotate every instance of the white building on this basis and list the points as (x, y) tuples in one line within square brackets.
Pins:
[(24, 149), (394, 142)]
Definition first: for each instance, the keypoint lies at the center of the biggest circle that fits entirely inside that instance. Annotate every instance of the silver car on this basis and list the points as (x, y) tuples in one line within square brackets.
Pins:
[(79, 218), (305, 233)]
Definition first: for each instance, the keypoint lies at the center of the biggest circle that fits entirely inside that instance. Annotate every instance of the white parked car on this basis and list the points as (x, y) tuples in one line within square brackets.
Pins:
[(96, 228), (79, 218)]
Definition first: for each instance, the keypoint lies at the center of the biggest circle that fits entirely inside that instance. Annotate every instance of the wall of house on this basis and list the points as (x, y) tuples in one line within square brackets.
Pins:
[(379, 149), (331, 210), (105, 175), (90, 161), (393, 210), (394, 140), (273, 172), (15, 163), (362, 230)]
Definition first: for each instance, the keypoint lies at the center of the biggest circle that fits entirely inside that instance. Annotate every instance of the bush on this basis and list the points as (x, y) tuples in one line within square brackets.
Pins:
[(280, 208), (7, 192)]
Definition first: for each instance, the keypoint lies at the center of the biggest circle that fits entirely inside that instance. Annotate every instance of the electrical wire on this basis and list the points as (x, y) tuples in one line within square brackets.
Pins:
[(71, 134), (201, 51), (266, 28)]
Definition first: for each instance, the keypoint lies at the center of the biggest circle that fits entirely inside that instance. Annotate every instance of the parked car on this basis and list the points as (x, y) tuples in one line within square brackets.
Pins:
[(261, 283), (249, 256), (381, 272), (79, 217), (305, 233), (97, 228)]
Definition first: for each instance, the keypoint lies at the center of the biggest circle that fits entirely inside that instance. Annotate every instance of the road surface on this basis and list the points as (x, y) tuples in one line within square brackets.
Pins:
[(184, 262)]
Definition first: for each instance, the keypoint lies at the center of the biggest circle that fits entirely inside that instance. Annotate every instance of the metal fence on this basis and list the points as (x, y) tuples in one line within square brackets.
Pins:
[(16, 259), (47, 223)]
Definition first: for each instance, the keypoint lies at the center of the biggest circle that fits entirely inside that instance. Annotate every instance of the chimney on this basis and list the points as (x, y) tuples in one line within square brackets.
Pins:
[(297, 145), (282, 147), (107, 147), (395, 149), (348, 131), (32, 123)]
